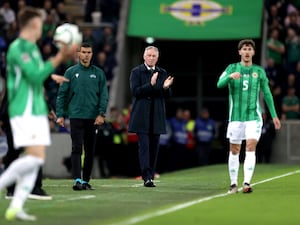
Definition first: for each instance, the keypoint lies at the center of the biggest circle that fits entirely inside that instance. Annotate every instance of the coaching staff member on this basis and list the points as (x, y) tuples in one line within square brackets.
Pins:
[(149, 85), (85, 97)]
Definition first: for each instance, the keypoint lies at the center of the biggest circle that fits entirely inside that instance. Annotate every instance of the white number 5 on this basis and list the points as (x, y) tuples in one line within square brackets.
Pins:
[(245, 85)]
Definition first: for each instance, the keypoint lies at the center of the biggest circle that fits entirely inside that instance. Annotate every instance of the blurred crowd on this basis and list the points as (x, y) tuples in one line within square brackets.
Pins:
[(54, 13), (283, 55)]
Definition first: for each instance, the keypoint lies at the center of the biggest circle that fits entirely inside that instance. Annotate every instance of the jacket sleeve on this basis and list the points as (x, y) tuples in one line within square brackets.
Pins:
[(103, 95), (224, 79), (139, 88), (167, 93), (62, 97)]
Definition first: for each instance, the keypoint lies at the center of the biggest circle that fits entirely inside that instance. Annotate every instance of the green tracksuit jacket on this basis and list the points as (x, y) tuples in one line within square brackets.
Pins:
[(85, 96)]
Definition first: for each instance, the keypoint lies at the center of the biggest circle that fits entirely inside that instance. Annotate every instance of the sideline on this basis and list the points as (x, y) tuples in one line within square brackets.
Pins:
[(77, 198), (161, 212)]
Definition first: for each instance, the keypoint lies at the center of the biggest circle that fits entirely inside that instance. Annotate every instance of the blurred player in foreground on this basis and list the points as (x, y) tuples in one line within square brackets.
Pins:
[(26, 72)]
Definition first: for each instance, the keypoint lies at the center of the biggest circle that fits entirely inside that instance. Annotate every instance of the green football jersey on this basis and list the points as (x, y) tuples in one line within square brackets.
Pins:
[(244, 93), (26, 73)]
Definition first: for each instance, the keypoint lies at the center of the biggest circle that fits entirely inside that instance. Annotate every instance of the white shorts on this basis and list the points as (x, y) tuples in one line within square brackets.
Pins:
[(239, 131), (30, 131)]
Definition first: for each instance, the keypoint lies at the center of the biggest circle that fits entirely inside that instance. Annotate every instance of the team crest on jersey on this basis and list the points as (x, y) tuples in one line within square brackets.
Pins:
[(77, 75), (254, 75), (92, 76), (25, 57)]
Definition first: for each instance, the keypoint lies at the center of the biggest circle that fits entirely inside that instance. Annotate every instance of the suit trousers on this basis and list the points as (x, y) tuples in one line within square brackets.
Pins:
[(148, 152)]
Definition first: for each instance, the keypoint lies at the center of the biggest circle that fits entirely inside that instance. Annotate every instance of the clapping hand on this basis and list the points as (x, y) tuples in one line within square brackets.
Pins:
[(168, 82), (154, 78)]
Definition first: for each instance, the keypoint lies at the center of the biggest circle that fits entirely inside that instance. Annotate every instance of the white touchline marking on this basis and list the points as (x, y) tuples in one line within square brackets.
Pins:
[(161, 212), (78, 198), (274, 178)]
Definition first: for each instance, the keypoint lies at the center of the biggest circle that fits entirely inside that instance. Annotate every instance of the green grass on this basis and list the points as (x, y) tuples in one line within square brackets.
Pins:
[(121, 201)]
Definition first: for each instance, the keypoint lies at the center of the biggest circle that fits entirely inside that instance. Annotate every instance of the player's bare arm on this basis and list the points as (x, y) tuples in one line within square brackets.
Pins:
[(59, 79)]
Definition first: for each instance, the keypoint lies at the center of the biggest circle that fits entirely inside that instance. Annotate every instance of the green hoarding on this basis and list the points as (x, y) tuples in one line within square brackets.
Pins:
[(195, 19)]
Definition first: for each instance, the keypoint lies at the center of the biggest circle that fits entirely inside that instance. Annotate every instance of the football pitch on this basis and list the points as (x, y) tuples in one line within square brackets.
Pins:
[(187, 197)]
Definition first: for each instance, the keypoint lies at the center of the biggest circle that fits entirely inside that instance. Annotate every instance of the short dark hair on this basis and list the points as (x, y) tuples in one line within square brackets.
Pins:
[(26, 14), (246, 42), (86, 45)]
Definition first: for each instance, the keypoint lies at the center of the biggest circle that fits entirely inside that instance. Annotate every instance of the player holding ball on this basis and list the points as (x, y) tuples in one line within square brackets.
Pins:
[(28, 111)]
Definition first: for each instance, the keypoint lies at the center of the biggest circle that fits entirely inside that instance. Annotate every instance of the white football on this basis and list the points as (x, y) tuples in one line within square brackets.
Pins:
[(67, 33)]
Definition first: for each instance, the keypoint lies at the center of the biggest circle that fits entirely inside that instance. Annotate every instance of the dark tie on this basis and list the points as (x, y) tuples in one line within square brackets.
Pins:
[(151, 70)]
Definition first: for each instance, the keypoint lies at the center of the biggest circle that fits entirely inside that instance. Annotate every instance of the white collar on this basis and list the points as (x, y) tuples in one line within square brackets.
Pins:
[(149, 68)]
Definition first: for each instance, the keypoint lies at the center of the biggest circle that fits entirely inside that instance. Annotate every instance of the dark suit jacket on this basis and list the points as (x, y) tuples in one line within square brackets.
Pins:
[(143, 96)]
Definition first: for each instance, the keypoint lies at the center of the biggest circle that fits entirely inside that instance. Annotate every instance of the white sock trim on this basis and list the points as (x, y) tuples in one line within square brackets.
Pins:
[(249, 166), (233, 167)]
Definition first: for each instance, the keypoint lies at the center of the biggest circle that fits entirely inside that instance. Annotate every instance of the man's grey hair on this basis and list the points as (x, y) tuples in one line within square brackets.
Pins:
[(151, 47)]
